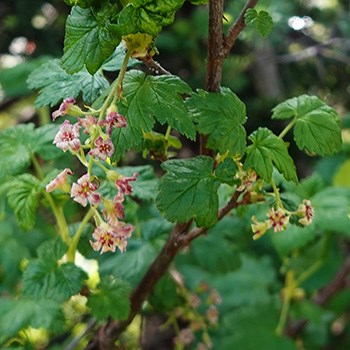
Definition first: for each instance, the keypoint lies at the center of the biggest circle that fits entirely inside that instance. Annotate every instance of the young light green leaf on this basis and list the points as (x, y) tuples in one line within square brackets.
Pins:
[(267, 150), (23, 197), (189, 191), (262, 19), (110, 300), (90, 39), (316, 124), (45, 80), (220, 115), (150, 98)]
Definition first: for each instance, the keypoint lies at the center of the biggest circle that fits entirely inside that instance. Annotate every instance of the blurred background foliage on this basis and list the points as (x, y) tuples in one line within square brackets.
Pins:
[(307, 52)]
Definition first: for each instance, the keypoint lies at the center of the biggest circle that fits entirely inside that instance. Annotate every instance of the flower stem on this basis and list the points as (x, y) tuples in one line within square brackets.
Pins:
[(277, 194), (289, 289), (74, 242), (287, 128), (57, 210), (116, 87)]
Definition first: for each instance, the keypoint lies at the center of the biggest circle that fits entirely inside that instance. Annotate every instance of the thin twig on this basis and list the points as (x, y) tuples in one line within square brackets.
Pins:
[(236, 28), (154, 66), (76, 341)]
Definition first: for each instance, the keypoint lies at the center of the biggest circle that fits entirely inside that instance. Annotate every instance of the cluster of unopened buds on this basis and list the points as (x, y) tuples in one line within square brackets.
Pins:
[(199, 312), (279, 218), (110, 232)]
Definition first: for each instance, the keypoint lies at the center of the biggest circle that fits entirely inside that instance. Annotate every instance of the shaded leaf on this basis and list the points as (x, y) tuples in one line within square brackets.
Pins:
[(188, 191), (220, 115), (267, 150)]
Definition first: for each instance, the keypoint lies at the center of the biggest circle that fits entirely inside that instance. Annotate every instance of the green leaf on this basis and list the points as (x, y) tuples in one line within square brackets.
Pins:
[(15, 155), (147, 16), (21, 313), (90, 39), (332, 209), (114, 62), (55, 84), (23, 197), (267, 150), (189, 191), (226, 171), (46, 278), (262, 19), (110, 300), (316, 124), (220, 115), (150, 98), (256, 324)]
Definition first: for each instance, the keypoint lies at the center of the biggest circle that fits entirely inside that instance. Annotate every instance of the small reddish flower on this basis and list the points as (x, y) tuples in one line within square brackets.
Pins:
[(68, 137), (60, 181), (103, 149), (85, 191), (67, 107), (113, 120), (248, 179), (123, 184), (88, 123), (108, 238), (185, 337), (306, 212), (278, 219)]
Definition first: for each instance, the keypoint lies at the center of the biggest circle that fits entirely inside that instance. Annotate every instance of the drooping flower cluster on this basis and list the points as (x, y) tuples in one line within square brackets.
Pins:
[(199, 312), (110, 232), (279, 219)]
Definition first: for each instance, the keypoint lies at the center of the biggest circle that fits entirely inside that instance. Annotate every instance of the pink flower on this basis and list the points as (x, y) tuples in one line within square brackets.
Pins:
[(85, 191), (64, 108), (108, 238), (278, 219), (306, 212), (68, 137), (185, 337), (60, 181), (113, 210), (103, 149), (113, 120), (88, 123), (123, 184)]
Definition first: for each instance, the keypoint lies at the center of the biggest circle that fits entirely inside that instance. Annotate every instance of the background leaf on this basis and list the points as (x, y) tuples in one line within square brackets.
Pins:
[(23, 197), (220, 115), (188, 190), (110, 300), (45, 80)]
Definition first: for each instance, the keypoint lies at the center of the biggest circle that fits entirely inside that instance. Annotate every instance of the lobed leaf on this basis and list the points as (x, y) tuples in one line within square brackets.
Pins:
[(90, 39), (220, 115), (317, 126), (267, 150), (23, 197), (262, 19), (110, 300), (147, 99), (188, 191)]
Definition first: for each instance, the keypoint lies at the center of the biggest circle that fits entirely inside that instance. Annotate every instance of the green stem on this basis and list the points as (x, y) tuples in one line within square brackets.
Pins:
[(115, 87), (287, 128), (277, 194), (57, 210), (74, 243), (289, 290), (167, 134)]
